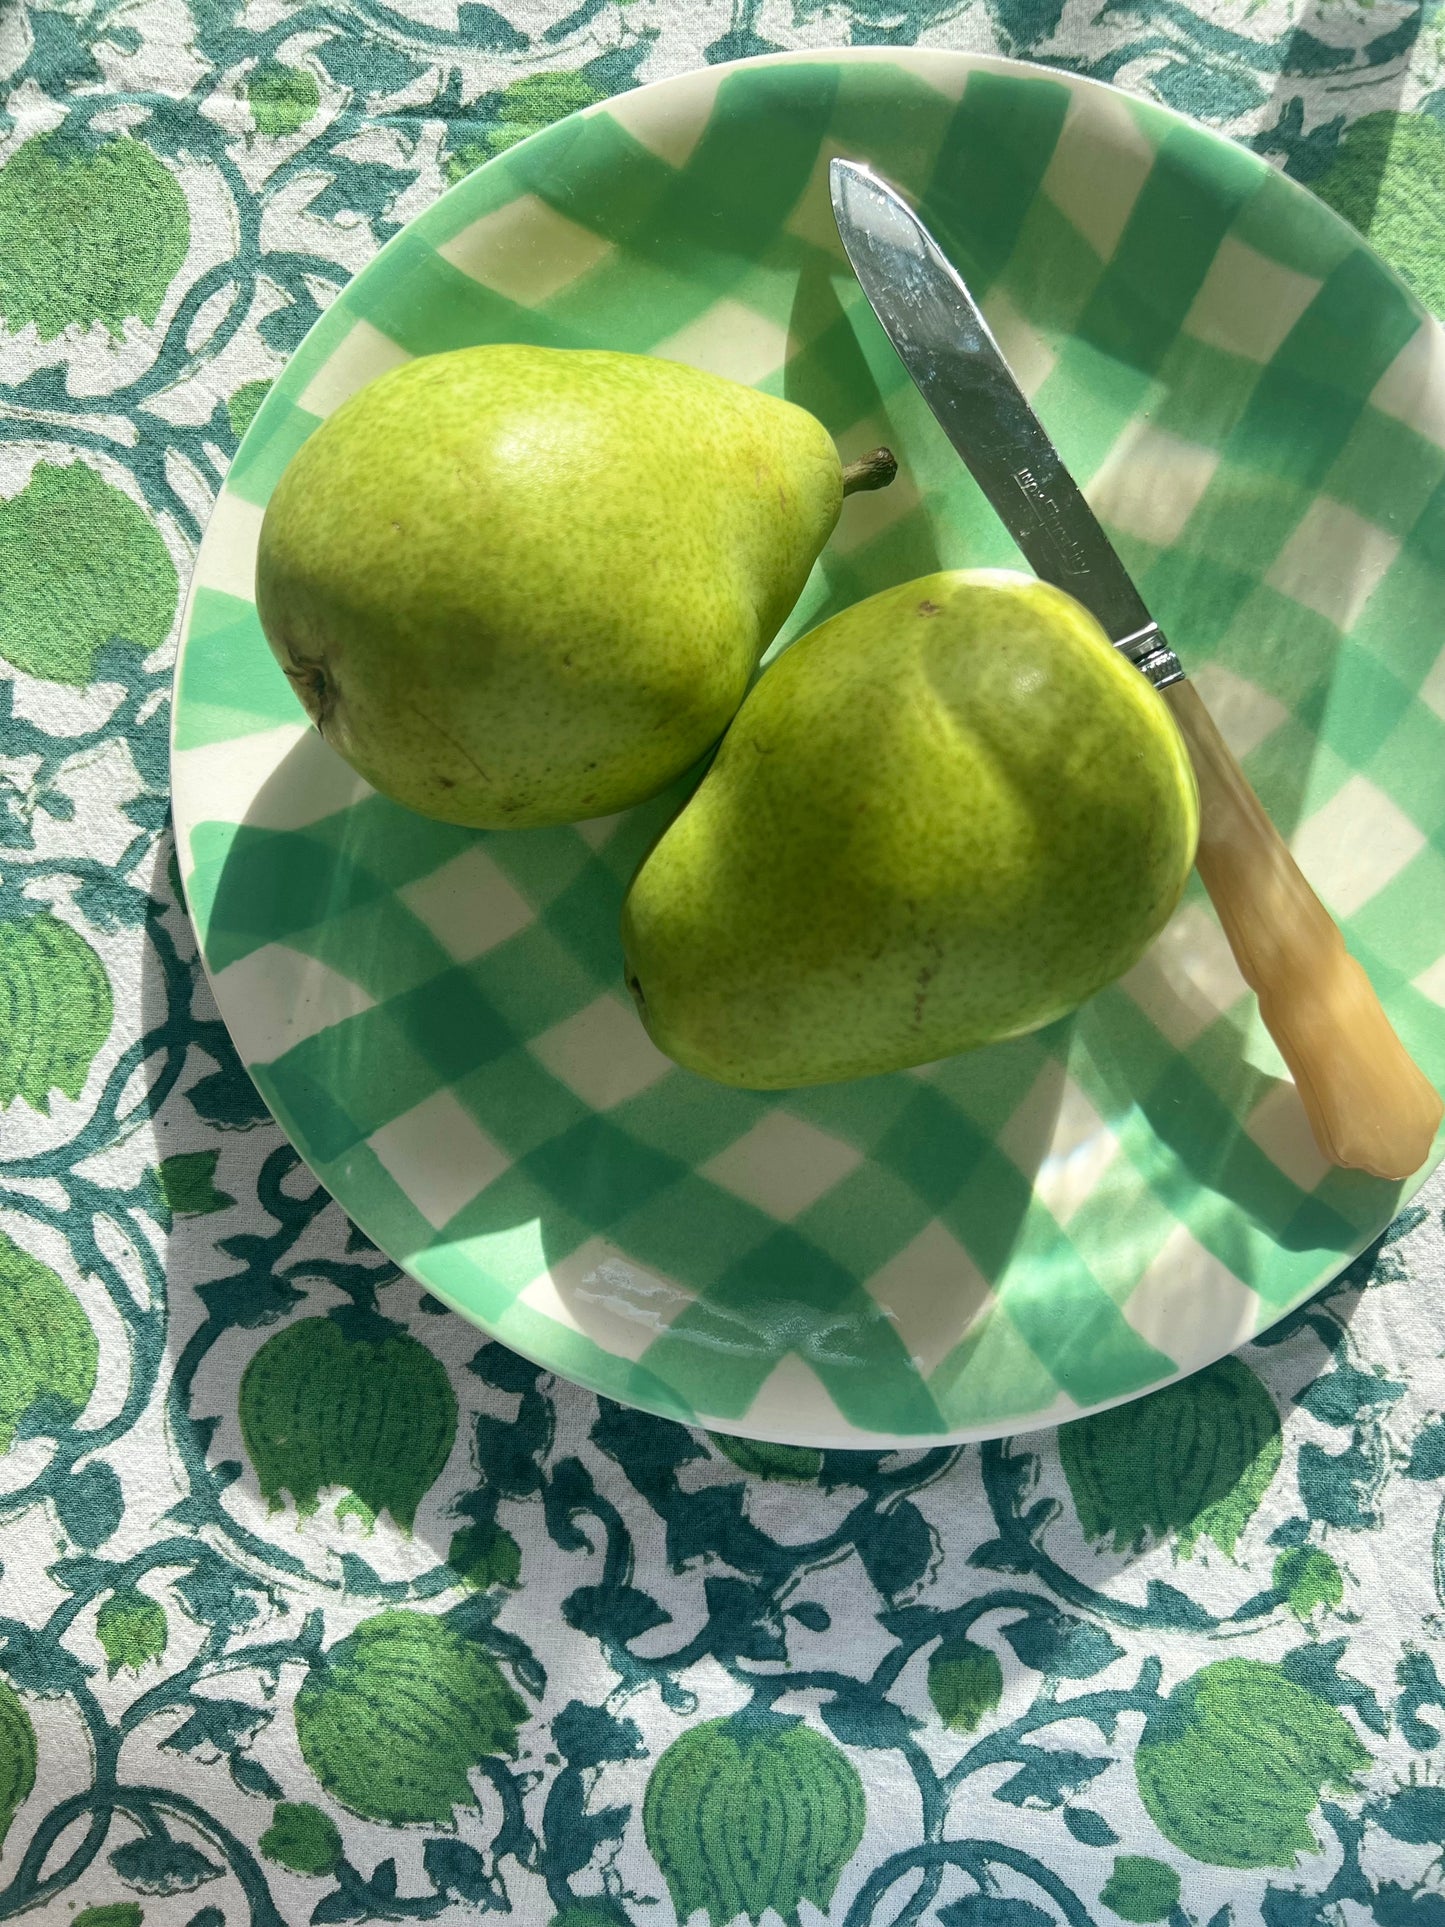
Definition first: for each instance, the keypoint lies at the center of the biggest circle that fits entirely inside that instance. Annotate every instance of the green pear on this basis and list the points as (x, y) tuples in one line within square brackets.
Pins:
[(518, 585), (944, 817)]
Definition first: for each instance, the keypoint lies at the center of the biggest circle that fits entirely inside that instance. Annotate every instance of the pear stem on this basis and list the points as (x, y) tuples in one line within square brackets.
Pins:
[(876, 469)]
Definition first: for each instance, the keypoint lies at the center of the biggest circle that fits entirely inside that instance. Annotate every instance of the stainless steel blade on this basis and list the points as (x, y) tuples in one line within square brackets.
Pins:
[(959, 369)]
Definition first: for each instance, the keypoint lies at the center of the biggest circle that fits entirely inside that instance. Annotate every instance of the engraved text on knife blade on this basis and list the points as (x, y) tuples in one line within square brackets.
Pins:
[(1070, 553)]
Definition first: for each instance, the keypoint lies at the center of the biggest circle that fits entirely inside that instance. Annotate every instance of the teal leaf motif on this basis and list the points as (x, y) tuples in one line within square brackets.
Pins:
[(577, 1833), (860, 1718), (38, 1663), (83, 1573), (345, 1903), (1061, 1646), (993, 1910), (251, 1777), (741, 1623), (456, 1868), (1415, 1814), (253, 1296), (996, 1555), (1089, 1827), (619, 1613), (484, 26), (1427, 1453), (896, 1548), (508, 1454), (589, 1735), (157, 1864), (1396, 1906), (215, 1726), (1026, 23), (1420, 1686), (1047, 1778), (1316, 1667), (211, 1594), (1291, 1907), (1339, 1488), (90, 1504), (368, 67), (227, 1098), (509, 1372), (1339, 1397), (1176, 1609), (109, 904), (1215, 89)]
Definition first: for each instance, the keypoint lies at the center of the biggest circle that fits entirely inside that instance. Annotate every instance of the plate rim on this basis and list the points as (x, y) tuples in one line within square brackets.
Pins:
[(915, 60)]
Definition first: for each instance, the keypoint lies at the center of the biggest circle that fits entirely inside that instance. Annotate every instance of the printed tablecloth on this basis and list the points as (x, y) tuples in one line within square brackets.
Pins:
[(314, 1605)]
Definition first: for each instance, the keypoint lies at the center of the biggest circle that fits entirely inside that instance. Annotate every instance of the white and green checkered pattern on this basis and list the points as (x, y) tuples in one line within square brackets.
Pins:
[(436, 1015)]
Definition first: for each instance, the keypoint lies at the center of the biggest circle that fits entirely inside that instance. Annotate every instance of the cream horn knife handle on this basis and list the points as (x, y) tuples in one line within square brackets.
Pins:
[(1369, 1104)]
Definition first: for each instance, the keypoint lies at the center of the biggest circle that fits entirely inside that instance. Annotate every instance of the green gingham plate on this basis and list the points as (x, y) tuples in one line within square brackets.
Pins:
[(437, 1017)]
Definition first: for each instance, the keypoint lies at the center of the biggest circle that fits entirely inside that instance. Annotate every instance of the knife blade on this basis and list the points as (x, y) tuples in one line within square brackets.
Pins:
[(949, 349), (1368, 1103)]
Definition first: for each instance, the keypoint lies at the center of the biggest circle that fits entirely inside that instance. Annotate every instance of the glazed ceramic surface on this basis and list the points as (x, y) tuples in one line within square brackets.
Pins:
[(437, 1017)]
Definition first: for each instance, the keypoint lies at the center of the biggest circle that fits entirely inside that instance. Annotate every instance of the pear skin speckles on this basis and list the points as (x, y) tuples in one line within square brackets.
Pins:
[(945, 817)]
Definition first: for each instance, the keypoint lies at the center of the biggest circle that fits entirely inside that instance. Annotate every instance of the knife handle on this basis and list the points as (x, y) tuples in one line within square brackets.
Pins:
[(1368, 1103)]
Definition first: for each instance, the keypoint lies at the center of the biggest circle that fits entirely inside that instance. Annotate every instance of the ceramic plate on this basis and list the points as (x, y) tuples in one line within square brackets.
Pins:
[(437, 1017)]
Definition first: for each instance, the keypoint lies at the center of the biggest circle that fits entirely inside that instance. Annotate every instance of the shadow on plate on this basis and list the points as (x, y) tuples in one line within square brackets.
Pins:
[(505, 1085), (550, 1134), (697, 1235)]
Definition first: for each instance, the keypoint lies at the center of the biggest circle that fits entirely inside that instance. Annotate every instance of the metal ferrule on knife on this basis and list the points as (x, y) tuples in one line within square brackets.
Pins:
[(1151, 655)]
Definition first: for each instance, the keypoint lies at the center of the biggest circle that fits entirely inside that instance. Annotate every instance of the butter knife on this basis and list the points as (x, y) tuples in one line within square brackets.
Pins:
[(1369, 1105)]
